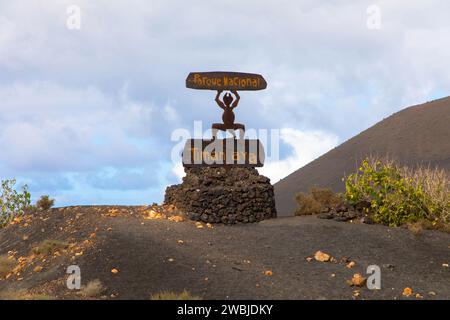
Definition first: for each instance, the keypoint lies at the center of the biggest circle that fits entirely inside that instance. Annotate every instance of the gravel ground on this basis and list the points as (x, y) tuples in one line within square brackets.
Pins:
[(265, 260)]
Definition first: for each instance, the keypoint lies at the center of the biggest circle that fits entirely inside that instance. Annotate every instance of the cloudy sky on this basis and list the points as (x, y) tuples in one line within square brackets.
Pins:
[(87, 114)]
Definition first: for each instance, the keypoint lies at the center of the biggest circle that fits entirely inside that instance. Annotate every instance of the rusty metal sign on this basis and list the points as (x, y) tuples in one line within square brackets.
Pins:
[(221, 80), (223, 152)]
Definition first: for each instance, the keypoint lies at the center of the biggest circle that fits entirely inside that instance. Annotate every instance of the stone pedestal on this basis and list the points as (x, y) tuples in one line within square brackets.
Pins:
[(223, 195)]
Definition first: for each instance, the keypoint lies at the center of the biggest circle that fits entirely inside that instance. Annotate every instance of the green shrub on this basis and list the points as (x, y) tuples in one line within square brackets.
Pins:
[(12, 203), (45, 203), (399, 195)]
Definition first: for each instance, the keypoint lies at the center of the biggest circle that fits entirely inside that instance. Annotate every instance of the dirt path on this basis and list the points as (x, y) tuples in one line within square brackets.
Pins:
[(229, 262)]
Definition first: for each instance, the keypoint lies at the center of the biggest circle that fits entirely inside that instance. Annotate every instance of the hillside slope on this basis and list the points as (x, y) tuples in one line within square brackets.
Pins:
[(416, 135)]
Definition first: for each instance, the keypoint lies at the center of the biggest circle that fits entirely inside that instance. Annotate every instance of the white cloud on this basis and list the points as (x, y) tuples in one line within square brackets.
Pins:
[(53, 128), (178, 170), (64, 106), (306, 146)]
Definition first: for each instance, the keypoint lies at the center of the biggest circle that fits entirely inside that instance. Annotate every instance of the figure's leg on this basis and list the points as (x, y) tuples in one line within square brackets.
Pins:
[(216, 127), (241, 128)]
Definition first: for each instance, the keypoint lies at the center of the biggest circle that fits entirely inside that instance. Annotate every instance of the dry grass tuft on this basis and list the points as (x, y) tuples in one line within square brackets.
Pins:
[(6, 265), (326, 197), (316, 200), (415, 227), (49, 246), (92, 289), (45, 203), (307, 205), (435, 183), (23, 295), (185, 295)]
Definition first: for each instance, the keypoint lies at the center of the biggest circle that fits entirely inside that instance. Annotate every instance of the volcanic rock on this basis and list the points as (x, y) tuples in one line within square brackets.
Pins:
[(223, 195)]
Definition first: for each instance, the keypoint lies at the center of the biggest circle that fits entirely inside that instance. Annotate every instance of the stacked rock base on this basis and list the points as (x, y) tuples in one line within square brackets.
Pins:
[(223, 195)]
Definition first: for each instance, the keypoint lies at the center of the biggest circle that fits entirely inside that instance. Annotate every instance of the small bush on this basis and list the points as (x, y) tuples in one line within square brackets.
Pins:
[(307, 205), (326, 197), (6, 265), (399, 195), (45, 203), (48, 247), (316, 200), (12, 202), (92, 289), (185, 295)]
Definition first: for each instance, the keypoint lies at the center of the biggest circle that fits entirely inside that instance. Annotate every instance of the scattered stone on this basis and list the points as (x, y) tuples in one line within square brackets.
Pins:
[(352, 214), (388, 266), (407, 292), (360, 206), (345, 260), (321, 256), (367, 220), (326, 215), (268, 273), (358, 280), (199, 225), (341, 219), (176, 218), (325, 210), (340, 213), (37, 269), (351, 264)]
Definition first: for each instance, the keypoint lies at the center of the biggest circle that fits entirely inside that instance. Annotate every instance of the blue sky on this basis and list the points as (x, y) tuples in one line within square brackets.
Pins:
[(87, 115)]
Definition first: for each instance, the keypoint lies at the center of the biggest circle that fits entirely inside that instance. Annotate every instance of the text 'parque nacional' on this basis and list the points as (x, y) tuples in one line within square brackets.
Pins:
[(225, 81)]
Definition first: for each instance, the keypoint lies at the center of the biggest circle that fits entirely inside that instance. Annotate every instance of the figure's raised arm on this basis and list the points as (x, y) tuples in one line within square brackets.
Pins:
[(236, 101), (220, 103)]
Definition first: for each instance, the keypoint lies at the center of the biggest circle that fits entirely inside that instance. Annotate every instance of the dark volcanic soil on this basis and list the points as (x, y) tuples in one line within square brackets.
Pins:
[(222, 262)]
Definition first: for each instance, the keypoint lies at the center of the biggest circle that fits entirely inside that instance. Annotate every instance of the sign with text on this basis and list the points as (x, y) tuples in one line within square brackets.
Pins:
[(225, 81), (222, 152)]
